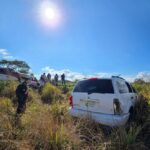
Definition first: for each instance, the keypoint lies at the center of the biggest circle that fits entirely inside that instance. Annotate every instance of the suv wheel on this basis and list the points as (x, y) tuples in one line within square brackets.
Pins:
[(131, 117)]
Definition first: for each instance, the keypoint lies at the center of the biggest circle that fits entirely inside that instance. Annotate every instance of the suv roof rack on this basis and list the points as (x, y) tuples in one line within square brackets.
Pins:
[(118, 77)]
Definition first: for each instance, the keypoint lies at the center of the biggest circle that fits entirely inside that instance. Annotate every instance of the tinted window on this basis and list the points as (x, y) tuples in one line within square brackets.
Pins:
[(122, 87), (129, 87), (134, 91), (95, 86)]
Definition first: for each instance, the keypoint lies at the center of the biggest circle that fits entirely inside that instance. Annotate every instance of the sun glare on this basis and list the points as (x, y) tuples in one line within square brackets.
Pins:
[(50, 14)]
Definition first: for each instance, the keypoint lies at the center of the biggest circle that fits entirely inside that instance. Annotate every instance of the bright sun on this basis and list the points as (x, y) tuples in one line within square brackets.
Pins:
[(50, 14)]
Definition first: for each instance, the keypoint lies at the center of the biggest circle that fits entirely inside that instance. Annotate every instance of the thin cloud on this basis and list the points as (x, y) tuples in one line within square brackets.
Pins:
[(5, 54), (72, 76), (144, 76)]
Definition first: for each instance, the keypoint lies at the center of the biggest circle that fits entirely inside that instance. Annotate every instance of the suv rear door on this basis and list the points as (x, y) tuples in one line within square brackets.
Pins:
[(126, 96), (94, 95)]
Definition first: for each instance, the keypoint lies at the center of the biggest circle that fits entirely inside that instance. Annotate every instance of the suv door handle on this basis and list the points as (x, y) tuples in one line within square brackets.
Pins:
[(132, 97)]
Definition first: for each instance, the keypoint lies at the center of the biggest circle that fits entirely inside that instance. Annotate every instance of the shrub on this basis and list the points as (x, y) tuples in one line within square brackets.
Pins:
[(143, 89), (5, 105), (33, 95), (50, 93), (8, 88)]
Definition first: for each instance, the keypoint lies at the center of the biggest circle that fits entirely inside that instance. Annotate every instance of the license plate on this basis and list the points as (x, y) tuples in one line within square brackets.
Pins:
[(89, 102)]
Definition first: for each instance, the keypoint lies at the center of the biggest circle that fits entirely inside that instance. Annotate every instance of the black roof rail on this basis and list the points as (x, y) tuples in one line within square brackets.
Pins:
[(118, 77)]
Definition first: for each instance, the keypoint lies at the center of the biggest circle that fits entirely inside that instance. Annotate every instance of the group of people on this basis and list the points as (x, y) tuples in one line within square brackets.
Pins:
[(22, 89), (48, 78)]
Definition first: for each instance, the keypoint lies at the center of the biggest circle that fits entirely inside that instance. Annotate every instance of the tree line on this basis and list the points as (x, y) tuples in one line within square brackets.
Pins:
[(15, 65)]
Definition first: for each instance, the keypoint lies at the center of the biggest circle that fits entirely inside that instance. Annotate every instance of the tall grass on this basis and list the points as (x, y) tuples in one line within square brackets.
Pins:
[(48, 126), (43, 131)]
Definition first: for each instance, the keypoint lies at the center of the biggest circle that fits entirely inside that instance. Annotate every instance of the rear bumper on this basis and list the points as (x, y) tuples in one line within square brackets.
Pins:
[(105, 119)]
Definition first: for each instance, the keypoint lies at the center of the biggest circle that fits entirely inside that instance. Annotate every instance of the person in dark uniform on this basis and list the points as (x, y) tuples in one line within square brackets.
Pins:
[(22, 95), (56, 79), (49, 77), (63, 79)]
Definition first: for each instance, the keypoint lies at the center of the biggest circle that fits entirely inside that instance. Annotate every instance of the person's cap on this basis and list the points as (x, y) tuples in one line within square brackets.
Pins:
[(25, 81)]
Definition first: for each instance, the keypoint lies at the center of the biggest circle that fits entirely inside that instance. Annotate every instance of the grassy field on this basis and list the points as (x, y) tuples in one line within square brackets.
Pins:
[(47, 125)]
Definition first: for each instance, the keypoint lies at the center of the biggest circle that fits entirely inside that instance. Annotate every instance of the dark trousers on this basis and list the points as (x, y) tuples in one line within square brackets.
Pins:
[(21, 104), (63, 82)]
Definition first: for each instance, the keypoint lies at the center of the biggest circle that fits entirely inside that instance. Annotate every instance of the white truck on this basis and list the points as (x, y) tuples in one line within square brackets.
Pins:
[(109, 101)]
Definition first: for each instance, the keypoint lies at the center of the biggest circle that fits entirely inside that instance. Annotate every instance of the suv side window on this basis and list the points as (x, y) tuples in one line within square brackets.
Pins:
[(134, 91), (122, 87), (129, 87)]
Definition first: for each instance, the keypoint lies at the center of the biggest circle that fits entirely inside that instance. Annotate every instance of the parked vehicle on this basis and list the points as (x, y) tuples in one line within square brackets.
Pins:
[(109, 101), (10, 74), (7, 74), (33, 83)]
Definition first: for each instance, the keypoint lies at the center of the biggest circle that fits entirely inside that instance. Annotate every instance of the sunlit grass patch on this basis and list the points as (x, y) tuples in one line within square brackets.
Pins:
[(50, 93), (43, 129), (6, 105), (8, 88)]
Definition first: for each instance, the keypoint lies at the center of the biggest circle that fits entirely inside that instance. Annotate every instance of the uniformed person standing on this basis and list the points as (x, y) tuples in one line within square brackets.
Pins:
[(22, 95)]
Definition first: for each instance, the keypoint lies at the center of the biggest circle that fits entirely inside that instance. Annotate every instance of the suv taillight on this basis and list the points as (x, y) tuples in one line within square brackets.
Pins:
[(71, 101), (117, 108), (93, 79)]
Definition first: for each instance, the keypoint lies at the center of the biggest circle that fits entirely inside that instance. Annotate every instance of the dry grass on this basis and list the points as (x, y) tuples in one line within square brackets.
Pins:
[(49, 126)]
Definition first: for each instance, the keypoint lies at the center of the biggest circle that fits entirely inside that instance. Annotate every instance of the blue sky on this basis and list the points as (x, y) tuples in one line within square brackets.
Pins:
[(108, 36)]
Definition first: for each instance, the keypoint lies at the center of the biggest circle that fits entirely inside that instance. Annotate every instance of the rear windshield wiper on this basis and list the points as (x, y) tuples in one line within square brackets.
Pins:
[(91, 92)]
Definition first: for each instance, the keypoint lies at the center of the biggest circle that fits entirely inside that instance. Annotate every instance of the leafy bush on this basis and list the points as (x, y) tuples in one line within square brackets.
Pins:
[(50, 93), (5, 105), (33, 95), (8, 88), (143, 89)]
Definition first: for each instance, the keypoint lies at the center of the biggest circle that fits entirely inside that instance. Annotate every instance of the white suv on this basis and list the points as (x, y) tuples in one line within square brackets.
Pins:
[(109, 101)]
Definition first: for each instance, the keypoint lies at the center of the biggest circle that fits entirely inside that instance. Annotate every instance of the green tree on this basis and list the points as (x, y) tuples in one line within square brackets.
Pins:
[(16, 65)]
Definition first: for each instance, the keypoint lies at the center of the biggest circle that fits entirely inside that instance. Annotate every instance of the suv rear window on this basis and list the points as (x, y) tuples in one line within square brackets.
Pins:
[(129, 87), (134, 91), (95, 86)]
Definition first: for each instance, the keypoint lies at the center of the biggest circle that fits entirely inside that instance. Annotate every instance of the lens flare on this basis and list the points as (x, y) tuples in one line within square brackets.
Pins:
[(50, 14)]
